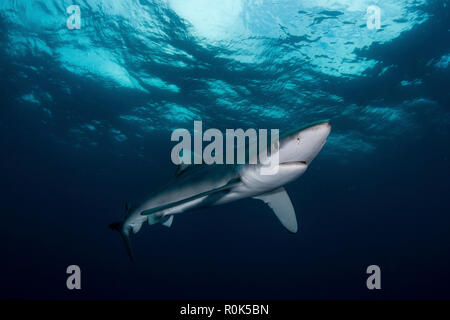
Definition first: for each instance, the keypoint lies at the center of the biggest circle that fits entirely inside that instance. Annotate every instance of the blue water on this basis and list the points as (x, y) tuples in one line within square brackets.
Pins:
[(85, 123)]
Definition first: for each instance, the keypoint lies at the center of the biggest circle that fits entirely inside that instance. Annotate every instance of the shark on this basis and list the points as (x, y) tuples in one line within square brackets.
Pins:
[(207, 185)]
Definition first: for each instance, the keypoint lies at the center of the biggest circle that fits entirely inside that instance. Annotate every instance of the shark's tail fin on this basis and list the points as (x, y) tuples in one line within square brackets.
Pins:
[(125, 234)]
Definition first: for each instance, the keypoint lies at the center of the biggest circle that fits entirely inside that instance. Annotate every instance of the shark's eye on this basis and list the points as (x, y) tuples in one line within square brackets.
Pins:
[(298, 139)]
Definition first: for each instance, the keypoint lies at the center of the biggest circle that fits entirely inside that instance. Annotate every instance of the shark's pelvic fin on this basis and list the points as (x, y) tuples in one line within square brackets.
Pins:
[(168, 222), (227, 186), (279, 201), (158, 217)]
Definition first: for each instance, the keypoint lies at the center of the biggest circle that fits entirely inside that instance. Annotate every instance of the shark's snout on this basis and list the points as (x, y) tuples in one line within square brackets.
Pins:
[(324, 130), (318, 132), (312, 140), (304, 144)]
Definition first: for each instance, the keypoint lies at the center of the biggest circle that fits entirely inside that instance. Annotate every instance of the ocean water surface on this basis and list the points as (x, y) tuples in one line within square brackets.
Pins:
[(86, 117)]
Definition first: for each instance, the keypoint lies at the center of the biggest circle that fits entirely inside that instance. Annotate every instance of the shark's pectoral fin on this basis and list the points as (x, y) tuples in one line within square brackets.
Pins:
[(159, 210), (279, 201)]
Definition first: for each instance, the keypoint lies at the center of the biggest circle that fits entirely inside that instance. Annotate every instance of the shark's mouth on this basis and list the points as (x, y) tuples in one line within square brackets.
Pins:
[(294, 163)]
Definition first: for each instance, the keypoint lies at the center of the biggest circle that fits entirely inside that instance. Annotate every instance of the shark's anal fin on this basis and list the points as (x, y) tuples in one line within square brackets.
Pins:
[(279, 201), (154, 218), (227, 186)]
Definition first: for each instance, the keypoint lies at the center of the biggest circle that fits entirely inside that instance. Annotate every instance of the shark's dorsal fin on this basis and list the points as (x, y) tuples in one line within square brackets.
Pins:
[(279, 201), (229, 185), (181, 168)]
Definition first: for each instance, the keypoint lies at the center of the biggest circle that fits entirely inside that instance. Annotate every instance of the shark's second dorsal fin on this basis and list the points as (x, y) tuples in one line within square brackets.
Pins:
[(279, 201), (227, 186), (129, 208)]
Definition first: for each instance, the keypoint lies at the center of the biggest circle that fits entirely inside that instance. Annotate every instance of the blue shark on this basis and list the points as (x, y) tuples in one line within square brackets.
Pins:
[(200, 186)]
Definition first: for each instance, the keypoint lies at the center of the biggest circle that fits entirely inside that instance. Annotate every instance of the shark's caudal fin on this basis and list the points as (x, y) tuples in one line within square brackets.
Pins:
[(125, 234)]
